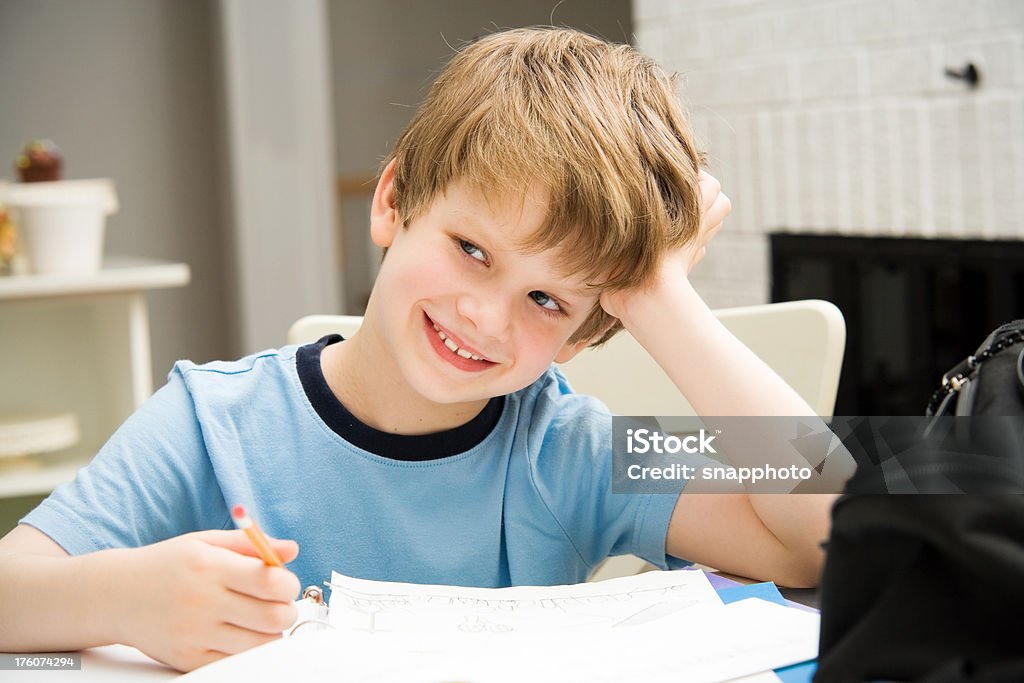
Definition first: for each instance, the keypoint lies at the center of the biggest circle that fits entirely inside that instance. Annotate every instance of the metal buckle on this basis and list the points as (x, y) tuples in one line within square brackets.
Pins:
[(959, 382)]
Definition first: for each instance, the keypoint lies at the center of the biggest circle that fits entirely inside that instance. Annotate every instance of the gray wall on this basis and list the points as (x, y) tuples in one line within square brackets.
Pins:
[(126, 90), (385, 55)]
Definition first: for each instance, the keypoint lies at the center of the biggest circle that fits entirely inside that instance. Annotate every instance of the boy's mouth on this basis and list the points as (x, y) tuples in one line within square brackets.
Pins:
[(455, 348), (450, 349)]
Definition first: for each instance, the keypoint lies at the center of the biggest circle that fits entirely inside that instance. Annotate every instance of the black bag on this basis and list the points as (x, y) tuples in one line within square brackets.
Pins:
[(930, 587), (926, 588), (991, 382)]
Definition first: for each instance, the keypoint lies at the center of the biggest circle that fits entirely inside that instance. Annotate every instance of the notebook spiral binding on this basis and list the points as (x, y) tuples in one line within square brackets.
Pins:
[(313, 604)]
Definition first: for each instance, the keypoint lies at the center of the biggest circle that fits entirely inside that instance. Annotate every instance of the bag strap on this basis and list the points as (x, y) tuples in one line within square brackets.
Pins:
[(954, 380), (1020, 372)]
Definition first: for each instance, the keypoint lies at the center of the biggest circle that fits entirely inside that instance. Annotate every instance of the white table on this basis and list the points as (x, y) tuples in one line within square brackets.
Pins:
[(122, 663), (100, 664)]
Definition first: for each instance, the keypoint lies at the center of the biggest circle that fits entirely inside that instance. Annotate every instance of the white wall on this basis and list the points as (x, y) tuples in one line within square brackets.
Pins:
[(124, 87), (836, 116)]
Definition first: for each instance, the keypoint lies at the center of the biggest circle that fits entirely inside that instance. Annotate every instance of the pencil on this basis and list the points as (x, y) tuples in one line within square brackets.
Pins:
[(255, 534)]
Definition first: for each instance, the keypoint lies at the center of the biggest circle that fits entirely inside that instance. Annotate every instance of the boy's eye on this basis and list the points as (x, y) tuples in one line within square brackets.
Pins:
[(544, 301), (473, 250)]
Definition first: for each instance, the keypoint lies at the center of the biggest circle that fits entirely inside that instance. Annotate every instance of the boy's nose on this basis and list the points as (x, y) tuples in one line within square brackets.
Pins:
[(490, 314)]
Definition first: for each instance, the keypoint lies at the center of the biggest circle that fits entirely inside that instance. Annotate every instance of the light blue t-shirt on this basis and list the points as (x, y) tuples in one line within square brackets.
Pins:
[(530, 504)]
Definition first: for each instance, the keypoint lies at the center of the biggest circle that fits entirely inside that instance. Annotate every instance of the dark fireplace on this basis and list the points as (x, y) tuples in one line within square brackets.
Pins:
[(913, 307)]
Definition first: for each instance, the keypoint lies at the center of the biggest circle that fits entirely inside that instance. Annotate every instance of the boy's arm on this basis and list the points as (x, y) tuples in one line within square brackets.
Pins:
[(186, 601), (763, 536)]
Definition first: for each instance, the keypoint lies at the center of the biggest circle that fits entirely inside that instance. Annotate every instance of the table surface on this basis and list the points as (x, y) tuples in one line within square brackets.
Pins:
[(100, 664), (810, 597)]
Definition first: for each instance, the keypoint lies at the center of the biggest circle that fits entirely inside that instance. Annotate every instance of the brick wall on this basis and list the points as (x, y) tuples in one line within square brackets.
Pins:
[(836, 116)]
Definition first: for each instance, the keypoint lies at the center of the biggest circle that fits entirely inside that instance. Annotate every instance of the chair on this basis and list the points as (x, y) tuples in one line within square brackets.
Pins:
[(803, 341), (312, 327)]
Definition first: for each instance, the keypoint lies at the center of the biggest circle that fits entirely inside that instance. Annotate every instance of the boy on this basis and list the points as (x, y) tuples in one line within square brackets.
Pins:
[(546, 194)]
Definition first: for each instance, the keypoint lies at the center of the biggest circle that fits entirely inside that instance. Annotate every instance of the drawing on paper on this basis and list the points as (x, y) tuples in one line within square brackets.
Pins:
[(362, 606)]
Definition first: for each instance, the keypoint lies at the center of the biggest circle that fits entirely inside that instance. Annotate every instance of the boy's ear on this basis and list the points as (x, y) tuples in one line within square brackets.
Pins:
[(569, 351), (384, 218)]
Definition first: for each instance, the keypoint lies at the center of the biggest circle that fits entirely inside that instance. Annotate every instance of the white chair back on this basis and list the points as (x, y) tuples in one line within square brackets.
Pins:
[(803, 341), (313, 327)]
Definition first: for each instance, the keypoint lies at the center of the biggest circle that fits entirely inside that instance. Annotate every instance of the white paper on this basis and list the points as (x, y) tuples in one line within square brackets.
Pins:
[(608, 635), (384, 607)]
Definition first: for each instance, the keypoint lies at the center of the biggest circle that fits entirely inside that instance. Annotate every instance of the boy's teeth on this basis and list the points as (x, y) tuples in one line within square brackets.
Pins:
[(452, 346)]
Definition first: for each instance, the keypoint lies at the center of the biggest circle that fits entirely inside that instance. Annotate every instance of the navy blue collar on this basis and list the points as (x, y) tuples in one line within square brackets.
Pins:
[(387, 445)]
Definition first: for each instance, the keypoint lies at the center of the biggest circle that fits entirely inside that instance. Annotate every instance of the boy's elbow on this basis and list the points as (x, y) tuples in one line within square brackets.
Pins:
[(802, 559), (799, 580), (800, 570)]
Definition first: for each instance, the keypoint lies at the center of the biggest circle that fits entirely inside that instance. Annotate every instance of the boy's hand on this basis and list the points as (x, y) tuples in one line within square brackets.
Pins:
[(714, 207), (676, 266), (199, 597)]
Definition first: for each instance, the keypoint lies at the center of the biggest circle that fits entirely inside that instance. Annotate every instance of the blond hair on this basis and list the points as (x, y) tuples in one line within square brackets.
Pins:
[(597, 123)]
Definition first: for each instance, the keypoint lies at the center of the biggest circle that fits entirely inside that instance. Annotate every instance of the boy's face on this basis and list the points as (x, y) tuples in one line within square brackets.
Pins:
[(465, 313)]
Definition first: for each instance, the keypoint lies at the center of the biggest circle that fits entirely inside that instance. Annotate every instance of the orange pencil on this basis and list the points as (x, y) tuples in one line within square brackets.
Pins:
[(255, 534)]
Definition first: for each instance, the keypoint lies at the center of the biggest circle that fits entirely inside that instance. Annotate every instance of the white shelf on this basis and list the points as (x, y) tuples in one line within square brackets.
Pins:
[(50, 471), (78, 344), (119, 274)]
